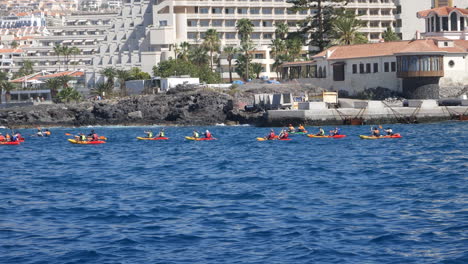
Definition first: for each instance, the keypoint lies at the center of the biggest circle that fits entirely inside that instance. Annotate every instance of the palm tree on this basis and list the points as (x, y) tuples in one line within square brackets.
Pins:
[(122, 77), (257, 68), (246, 48), (278, 48), (294, 48), (281, 30), (102, 89), (198, 55), (184, 50), (390, 35), (26, 69), (212, 43), (58, 52), (75, 51), (68, 94), (109, 73), (176, 50), (53, 85), (245, 28), (66, 52), (230, 52), (345, 29), (7, 87)]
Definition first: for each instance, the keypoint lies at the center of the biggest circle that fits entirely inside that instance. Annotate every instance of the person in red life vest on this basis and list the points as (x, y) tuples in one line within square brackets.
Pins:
[(94, 136), (272, 135), (208, 134), (284, 134), (2, 138)]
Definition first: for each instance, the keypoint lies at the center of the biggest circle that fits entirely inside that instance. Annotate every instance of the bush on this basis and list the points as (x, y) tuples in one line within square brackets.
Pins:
[(379, 93)]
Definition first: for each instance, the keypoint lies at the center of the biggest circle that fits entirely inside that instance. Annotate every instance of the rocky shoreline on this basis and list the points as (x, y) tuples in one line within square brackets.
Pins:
[(200, 107)]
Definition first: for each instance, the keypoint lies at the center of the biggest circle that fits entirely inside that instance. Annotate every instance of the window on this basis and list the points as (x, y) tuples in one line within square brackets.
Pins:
[(204, 10), (256, 23), (242, 10), (202, 35), (162, 23), (338, 72), (393, 66), (385, 12), (386, 67), (267, 11), (291, 12), (362, 12), (354, 68), (230, 35), (374, 12), (204, 23), (267, 35), (361, 68), (368, 68), (192, 35), (191, 23), (255, 35), (259, 56), (279, 11), (376, 67), (255, 10), (303, 12), (375, 35), (216, 10), (292, 23), (229, 10), (230, 23), (267, 23), (217, 23), (374, 24)]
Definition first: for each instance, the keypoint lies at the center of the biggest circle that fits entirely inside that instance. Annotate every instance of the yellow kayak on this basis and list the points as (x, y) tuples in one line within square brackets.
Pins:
[(381, 137), (73, 141), (199, 139)]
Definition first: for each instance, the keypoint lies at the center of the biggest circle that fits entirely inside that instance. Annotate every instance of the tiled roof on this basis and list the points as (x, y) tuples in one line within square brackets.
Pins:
[(59, 74), (292, 63), (441, 11), (11, 50), (392, 48)]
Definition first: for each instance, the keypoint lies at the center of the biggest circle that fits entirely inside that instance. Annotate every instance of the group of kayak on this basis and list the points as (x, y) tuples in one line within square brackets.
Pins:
[(94, 138), (334, 133)]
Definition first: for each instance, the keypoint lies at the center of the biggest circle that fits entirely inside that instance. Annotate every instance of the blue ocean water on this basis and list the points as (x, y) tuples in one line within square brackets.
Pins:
[(236, 200)]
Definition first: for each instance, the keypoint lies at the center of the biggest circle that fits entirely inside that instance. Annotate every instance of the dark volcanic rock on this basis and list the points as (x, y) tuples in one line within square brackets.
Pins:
[(185, 108)]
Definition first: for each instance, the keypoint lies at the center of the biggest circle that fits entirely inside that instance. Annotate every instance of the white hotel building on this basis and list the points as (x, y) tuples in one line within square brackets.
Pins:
[(142, 32)]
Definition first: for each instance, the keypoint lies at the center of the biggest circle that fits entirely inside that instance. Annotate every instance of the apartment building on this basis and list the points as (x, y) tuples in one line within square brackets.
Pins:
[(23, 19)]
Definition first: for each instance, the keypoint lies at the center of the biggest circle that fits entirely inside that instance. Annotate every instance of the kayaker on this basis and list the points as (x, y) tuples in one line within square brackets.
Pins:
[(207, 134), (18, 136), (7, 137), (82, 137), (161, 133), (2, 137), (14, 138), (272, 135), (335, 132), (301, 128), (389, 131), (149, 134), (196, 134), (291, 128), (47, 133), (321, 132), (94, 136), (284, 134), (39, 133), (375, 132)]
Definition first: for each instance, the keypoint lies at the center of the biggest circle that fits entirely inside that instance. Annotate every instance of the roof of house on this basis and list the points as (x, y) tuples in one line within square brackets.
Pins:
[(391, 48), (11, 50), (45, 75), (441, 11), (296, 63)]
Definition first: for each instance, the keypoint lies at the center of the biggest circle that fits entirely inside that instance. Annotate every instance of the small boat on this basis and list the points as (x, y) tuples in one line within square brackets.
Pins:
[(74, 141), (155, 138), (199, 139), (381, 137), (265, 139), (328, 136)]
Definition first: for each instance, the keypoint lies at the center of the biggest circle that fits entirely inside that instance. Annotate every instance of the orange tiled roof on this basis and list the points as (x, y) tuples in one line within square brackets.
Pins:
[(441, 11), (11, 50), (59, 74), (391, 48)]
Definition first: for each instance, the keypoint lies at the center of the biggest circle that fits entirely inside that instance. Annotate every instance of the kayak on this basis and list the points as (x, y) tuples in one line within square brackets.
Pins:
[(9, 143), (73, 141), (199, 139), (335, 136), (155, 138), (373, 137), (298, 133), (264, 139)]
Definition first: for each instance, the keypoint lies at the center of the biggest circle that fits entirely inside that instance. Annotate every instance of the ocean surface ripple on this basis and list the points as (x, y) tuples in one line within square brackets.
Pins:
[(236, 200)]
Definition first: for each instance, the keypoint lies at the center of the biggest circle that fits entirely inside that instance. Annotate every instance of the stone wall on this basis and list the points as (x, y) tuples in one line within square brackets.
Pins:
[(452, 91), (421, 88)]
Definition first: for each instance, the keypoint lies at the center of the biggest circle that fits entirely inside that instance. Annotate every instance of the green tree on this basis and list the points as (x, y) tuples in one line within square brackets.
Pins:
[(122, 77), (212, 43), (109, 73), (137, 74), (230, 53), (184, 51), (53, 85), (319, 25), (257, 68), (176, 50), (5, 86), (245, 28), (75, 51), (281, 31), (14, 44), (198, 54), (170, 68), (390, 35), (103, 89), (294, 48), (68, 94), (58, 52), (346, 29), (26, 69)]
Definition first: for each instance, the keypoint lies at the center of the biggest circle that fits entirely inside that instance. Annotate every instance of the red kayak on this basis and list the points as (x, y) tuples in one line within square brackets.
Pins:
[(9, 142), (335, 136)]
